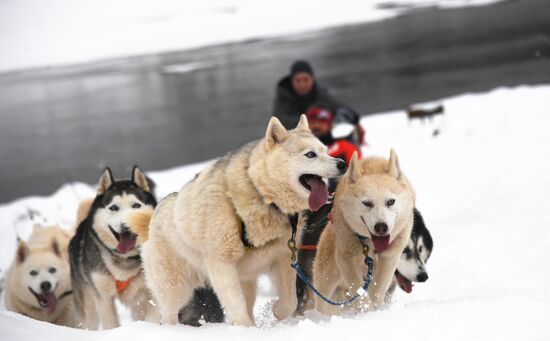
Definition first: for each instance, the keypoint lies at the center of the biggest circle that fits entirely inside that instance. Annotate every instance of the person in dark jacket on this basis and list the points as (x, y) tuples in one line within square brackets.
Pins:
[(299, 91)]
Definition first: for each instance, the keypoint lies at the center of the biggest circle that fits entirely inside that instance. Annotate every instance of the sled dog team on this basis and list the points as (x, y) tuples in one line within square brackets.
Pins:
[(198, 253)]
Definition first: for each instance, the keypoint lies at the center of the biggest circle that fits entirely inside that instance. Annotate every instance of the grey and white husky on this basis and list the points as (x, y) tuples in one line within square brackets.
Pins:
[(105, 262)]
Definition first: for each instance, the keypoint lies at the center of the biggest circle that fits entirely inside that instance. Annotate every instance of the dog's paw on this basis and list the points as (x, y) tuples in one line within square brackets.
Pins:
[(245, 322), (284, 309), (376, 301)]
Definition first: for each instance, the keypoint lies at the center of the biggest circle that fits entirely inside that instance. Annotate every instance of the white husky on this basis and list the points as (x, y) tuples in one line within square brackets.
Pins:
[(230, 224)]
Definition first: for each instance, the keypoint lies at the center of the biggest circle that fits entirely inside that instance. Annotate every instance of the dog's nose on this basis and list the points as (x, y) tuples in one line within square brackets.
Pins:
[(381, 228), (422, 277), (341, 165), (45, 286)]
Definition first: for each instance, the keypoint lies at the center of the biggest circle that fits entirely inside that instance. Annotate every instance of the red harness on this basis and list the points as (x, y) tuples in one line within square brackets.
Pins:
[(307, 247), (121, 285)]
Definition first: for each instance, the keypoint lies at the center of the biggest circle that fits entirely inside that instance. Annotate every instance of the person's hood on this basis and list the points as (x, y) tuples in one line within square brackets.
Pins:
[(284, 87)]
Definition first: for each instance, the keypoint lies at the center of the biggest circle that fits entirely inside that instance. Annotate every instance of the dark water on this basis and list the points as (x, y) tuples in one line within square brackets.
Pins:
[(68, 123)]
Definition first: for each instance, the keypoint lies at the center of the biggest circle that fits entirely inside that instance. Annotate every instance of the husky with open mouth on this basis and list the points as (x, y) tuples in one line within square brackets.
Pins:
[(231, 224), (412, 263), (104, 257), (373, 207), (38, 283), (410, 269)]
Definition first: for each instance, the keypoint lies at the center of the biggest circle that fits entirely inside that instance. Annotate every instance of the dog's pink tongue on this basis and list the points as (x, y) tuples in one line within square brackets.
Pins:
[(52, 301), (126, 242), (404, 283), (318, 195), (381, 243)]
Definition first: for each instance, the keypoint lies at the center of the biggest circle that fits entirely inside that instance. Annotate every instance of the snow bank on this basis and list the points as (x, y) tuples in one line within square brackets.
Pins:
[(482, 186), (40, 33)]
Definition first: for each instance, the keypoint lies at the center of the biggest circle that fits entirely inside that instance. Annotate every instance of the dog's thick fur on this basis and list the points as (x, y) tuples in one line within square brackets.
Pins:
[(83, 211), (41, 263), (98, 257), (195, 235), (205, 305), (412, 263), (374, 193), (411, 267)]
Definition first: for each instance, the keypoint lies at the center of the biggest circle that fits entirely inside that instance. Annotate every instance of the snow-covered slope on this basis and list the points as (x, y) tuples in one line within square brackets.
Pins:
[(482, 185), (39, 33)]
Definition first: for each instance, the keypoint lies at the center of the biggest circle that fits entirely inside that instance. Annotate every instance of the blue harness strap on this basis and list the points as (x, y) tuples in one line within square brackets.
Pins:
[(365, 287), (369, 262)]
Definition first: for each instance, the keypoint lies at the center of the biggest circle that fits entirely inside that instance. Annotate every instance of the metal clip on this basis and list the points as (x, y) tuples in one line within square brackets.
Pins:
[(365, 249), (292, 247)]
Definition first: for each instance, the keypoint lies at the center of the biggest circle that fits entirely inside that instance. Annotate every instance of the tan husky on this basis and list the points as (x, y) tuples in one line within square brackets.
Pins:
[(373, 205), (230, 224), (38, 284)]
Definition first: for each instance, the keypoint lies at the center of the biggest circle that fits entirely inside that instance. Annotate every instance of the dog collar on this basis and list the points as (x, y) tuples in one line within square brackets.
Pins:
[(65, 294), (242, 227), (361, 238), (307, 247), (121, 285)]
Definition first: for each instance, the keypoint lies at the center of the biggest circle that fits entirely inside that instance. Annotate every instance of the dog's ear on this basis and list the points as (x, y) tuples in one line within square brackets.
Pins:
[(105, 181), (393, 168), (139, 178), (55, 247), (22, 252), (276, 133), (354, 168), (303, 124)]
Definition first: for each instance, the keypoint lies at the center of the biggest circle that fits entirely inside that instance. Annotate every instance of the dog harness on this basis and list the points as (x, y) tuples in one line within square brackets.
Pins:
[(293, 219), (242, 227), (65, 294), (121, 285), (307, 247)]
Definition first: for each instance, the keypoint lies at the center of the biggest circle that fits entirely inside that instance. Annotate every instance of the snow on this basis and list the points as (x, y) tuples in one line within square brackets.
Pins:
[(42, 33), (482, 186)]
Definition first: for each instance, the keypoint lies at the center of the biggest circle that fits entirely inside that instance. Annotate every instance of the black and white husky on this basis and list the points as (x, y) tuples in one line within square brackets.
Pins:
[(412, 264), (106, 263)]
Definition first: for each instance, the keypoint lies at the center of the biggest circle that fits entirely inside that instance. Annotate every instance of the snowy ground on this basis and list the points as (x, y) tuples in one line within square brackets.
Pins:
[(39, 33), (482, 186)]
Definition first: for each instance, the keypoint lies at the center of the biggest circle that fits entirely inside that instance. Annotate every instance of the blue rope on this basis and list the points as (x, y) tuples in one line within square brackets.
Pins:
[(368, 261)]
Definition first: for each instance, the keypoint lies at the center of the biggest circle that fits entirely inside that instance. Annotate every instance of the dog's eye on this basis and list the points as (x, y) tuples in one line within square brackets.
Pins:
[(310, 155), (420, 249), (390, 202), (113, 208), (369, 204), (136, 205), (33, 273), (52, 270)]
